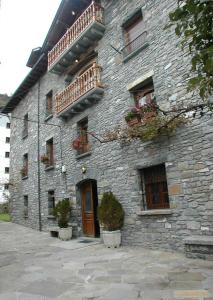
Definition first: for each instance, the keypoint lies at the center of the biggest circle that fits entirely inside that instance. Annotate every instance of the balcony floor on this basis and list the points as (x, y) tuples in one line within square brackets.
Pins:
[(86, 39), (85, 101)]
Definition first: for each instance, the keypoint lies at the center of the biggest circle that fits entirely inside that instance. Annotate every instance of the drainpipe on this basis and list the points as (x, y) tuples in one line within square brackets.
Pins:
[(39, 164)]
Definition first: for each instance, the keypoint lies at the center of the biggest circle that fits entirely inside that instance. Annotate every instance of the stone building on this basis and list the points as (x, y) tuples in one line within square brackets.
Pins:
[(95, 62), (4, 151)]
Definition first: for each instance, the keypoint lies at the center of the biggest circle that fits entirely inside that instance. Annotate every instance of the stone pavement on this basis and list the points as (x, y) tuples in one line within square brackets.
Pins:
[(34, 266)]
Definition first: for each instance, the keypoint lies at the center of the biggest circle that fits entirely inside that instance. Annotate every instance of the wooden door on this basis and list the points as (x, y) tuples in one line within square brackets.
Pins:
[(88, 209)]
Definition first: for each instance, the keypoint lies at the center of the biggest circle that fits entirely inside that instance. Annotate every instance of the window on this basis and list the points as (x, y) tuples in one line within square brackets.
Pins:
[(6, 170), (24, 170), (25, 128), (49, 104), (25, 206), (6, 186), (143, 93), (49, 152), (8, 125), (7, 154), (83, 136), (7, 140), (134, 33), (154, 184), (51, 202)]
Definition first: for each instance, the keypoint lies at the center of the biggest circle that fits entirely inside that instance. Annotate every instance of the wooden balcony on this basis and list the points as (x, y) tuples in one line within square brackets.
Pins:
[(84, 33), (80, 94)]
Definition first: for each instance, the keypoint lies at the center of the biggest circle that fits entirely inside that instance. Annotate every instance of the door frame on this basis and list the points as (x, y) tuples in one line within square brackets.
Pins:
[(94, 197)]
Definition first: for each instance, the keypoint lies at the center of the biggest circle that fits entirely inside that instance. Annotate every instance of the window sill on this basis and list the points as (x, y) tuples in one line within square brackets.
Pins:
[(24, 136), (48, 117), (25, 177), (134, 53), (83, 155), (51, 217), (49, 168), (155, 212)]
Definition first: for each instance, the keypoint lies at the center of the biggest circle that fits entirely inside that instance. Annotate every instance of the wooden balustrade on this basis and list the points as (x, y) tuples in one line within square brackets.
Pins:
[(93, 13), (90, 79)]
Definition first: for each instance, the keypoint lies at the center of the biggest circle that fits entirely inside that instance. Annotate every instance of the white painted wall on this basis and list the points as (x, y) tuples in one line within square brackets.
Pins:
[(4, 162)]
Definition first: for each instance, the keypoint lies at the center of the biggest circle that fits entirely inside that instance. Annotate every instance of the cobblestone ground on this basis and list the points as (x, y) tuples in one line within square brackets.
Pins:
[(34, 266)]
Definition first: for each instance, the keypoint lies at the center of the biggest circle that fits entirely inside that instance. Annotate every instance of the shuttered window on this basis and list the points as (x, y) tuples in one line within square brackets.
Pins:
[(134, 33)]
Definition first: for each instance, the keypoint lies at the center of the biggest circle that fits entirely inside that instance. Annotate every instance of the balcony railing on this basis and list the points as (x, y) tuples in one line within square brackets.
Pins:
[(135, 45), (88, 81), (93, 13)]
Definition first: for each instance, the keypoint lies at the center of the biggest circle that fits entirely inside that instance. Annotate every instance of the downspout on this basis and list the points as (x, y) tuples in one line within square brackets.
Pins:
[(39, 164)]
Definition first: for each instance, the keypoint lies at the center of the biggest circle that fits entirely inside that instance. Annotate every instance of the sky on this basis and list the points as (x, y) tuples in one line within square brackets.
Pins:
[(23, 26)]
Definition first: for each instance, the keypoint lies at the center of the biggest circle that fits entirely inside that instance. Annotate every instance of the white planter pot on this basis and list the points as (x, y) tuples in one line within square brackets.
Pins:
[(112, 239), (65, 234)]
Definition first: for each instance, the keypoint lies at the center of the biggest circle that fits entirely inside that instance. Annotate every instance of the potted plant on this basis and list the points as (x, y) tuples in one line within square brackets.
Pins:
[(133, 116), (45, 159), (62, 213), (111, 218), (148, 111), (24, 171)]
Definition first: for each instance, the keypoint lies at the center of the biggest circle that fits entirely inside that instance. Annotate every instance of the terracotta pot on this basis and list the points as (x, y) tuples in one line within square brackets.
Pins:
[(148, 116), (134, 121)]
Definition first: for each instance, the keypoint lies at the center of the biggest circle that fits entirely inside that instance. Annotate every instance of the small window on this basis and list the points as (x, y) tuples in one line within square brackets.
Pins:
[(51, 202), (25, 206), (49, 104), (8, 125), (6, 170), (25, 126), (49, 153), (24, 170), (134, 33), (83, 136), (7, 154), (143, 93), (7, 140), (154, 184), (6, 186)]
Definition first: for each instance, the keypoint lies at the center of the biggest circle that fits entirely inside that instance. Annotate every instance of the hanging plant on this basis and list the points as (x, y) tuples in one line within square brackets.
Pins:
[(77, 144), (24, 171), (44, 159)]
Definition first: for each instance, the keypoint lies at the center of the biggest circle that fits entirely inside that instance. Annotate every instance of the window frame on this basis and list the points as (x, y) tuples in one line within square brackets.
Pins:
[(51, 197), (82, 127), (6, 170), (25, 168), (7, 154), (7, 140), (147, 204), (50, 153), (25, 126), (142, 90), (8, 125), (48, 107), (134, 34), (26, 207)]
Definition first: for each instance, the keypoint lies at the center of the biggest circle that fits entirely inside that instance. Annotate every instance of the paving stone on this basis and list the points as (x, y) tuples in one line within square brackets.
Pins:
[(129, 273), (191, 294)]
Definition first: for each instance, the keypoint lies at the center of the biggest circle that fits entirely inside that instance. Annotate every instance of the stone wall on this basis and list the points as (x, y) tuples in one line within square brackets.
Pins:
[(116, 167)]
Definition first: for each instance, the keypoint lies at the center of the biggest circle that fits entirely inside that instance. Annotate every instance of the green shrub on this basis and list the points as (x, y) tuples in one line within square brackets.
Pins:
[(62, 212), (110, 212)]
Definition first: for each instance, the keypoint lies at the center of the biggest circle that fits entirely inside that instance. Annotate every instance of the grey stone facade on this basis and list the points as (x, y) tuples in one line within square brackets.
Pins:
[(116, 167)]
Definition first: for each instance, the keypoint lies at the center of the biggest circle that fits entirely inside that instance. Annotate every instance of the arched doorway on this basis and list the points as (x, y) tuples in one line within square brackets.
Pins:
[(89, 204)]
